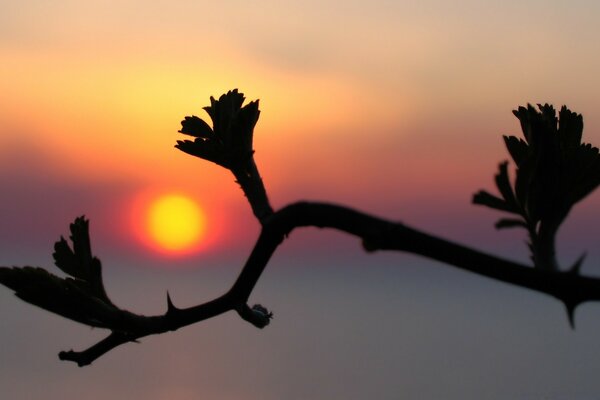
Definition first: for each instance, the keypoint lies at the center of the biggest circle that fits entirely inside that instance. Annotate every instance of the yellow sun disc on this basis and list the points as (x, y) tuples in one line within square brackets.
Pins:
[(175, 222)]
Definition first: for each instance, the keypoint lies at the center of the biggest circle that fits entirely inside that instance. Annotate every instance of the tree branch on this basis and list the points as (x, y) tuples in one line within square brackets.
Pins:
[(253, 187), (376, 234), (81, 296), (86, 357), (379, 234)]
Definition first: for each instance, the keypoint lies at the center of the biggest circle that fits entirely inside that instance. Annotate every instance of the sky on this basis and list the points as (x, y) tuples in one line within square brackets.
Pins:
[(393, 107)]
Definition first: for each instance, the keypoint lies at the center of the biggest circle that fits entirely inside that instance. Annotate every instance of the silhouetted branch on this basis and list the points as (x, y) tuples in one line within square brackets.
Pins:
[(379, 234), (376, 234), (538, 203), (229, 144), (86, 357)]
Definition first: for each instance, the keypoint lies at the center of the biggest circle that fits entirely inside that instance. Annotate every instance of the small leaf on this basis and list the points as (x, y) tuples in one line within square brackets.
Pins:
[(523, 182), (510, 223), (570, 128), (66, 260), (65, 297), (517, 148), (196, 127), (486, 199), (207, 150), (503, 184), (79, 262), (523, 116), (586, 172)]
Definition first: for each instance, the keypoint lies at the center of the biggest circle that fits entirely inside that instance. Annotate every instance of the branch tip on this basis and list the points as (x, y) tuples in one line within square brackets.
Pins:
[(258, 315), (74, 356)]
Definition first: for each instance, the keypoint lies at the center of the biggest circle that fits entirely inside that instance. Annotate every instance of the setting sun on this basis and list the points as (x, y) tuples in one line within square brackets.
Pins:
[(175, 222)]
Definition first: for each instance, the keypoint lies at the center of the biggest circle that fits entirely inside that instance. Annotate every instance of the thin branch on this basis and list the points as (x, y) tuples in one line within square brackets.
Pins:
[(379, 234), (86, 357), (253, 187), (376, 234)]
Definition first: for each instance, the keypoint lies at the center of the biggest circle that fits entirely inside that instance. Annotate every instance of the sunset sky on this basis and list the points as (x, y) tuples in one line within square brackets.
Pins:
[(393, 107)]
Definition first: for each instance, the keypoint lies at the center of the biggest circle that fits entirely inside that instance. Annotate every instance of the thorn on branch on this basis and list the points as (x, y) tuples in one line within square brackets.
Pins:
[(576, 268), (571, 313), (170, 306)]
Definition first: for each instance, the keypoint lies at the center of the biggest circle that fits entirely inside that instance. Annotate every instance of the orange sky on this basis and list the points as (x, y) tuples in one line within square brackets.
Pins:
[(393, 109)]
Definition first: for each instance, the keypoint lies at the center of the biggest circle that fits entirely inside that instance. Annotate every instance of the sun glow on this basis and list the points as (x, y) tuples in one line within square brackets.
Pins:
[(175, 223)]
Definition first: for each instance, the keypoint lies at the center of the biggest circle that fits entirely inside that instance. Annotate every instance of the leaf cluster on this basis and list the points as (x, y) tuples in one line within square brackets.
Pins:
[(80, 296), (229, 142), (554, 170)]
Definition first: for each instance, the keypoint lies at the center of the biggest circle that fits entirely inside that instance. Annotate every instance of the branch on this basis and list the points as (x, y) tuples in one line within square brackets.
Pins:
[(81, 296), (86, 357), (569, 287), (253, 187), (376, 234)]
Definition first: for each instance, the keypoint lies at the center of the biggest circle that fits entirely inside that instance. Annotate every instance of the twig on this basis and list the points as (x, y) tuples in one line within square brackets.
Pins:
[(376, 234)]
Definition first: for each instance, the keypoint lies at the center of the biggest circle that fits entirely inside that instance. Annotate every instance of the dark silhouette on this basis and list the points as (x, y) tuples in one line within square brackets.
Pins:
[(554, 171)]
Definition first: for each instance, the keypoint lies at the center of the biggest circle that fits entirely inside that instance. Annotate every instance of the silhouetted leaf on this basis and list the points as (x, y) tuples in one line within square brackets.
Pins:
[(554, 171), (523, 117), (64, 297), (196, 127), (79, 262), (517, 148), (81, 298), (522, 184), (229, 142), (245, 122), (570, 128), (65, 259), (486, 199), (205, 149), (503, 184), (510, 223), (587, 172)]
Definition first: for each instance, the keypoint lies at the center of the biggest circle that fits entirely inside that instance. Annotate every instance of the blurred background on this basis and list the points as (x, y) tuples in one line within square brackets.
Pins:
[(393, 107)]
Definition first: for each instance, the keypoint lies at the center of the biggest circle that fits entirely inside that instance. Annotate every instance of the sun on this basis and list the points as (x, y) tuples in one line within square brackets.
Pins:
[(175, 223)]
